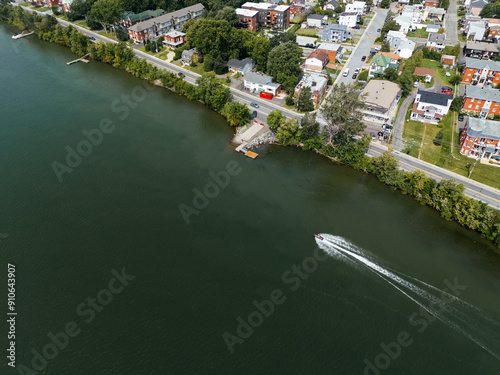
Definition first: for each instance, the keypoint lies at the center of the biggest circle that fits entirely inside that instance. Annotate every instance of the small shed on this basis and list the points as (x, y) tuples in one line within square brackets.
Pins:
[(424, 72)]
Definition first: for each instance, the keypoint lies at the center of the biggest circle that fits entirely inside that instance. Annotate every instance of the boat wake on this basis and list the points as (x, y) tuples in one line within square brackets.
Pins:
[(441, 304)]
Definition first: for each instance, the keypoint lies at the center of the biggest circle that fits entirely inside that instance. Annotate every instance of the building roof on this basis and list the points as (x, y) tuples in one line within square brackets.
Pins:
[(336, 27), (348, 14), (483, 93), (246, 12), (258, 78), (432, 1), (477, 4), (481, 64), (329, 47), (381, 60), (315, 17), (436, 11), (240, 64), (436, 38), (423, 72), (314, 81), (133, 17), (448, 59), (189, 53), (258, 5), (381, 93), (432, 97), (166, 17), (174, 34), (482, 46), (482, 128), (318, 54), (393, 56), (281, 8)]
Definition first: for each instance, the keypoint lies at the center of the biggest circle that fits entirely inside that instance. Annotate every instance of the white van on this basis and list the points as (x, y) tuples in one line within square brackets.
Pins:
[(346, 72)]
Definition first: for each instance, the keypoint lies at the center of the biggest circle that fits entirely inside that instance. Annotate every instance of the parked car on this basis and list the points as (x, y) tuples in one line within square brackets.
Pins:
[(363, 58), (385, 126), (416, 83), (380, 134), (92, 38), (355, 75), (373, 135), (254, 114), (356, 70), (255, 105), (446, 90), (180, 75), (460, 117), (378, 30), (346, 72)]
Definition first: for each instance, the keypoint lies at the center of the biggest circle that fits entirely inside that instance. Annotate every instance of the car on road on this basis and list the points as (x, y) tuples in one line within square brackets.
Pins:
[(378, 30), (255, 105), (355, 75), (460, 117), (180, 75), (363, 58), (346, 72), (254, 114), (92, 38), (373, 135)]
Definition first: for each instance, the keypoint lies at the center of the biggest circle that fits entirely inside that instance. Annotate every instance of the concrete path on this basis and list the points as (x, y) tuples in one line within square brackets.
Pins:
[(397, 133)]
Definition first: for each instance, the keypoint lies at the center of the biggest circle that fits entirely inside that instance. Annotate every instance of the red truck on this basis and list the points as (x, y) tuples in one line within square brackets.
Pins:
[(266, 95)]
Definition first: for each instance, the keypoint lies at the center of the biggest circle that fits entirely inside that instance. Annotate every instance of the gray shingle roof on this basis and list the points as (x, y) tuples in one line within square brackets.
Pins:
[(481, 64), (166, 17), (239, 64), (436, 38), (433, 97), (315, 17), (482, 128), (483, 93), (258, 78)]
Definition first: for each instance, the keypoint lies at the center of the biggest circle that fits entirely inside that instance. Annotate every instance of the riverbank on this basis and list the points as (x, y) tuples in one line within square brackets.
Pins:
[(446, 196)]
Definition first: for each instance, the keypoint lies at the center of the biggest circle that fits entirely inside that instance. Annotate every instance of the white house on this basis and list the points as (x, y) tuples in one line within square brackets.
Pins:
[(240, 66), (476, 31), (331, 5), (349, 19), (436, 41), (430, 106), (256, 82), (316, 20), (401, 44), (357, 7), (408, 18), (316, 61)]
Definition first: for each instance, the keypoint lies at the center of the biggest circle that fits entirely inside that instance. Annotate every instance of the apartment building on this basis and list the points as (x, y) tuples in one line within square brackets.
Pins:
[(480, 138), (481, 72), (270, 15), (484, 100)]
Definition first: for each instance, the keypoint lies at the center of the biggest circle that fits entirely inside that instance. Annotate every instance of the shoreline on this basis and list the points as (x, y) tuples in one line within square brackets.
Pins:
[(179, 86)]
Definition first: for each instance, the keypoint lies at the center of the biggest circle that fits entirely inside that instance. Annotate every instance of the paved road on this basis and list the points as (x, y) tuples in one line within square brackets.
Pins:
[(397, 133), (364, 45), (473, 188), (450, 23)]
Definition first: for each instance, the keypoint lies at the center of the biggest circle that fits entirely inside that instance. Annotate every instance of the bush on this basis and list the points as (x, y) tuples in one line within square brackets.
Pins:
[(209, 64), (220, 66), (363, 76), (438, 139), (289, 101)]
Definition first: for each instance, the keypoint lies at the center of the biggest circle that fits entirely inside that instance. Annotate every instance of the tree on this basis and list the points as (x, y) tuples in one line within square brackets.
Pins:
[(208, 66), (258, 48), (121, 34), (456, 49), (455, 80), (456, 104), (287, 133), (386, 47), (289, 100), (228, 14), (214, 37), (309, 129), (438, 139), (491, 10), (388, 26), (391, 74), (236, 113), (275, 119), (385, 4), (220, 66), (304, 102), (405, 81), (342, 111), (106, 12), (281, 38), (441, 30), (285, 59)]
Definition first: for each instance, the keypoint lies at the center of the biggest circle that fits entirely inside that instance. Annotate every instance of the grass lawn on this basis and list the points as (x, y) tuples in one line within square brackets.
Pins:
[(413, 132), (108, 34), (196, 69), (439, 73), (441, 155), (296, 19), (26, 4), (333, 71), (462, 38), (163, 55), (82, 23), (419, 33), (307, 32)]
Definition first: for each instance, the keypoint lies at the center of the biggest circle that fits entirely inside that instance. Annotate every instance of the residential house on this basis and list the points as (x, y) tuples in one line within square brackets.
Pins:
[(425, 74), (317, 83), (316, 61), (381, 61), (357, 7), (270, 15), (381, 99), (484, 100), (403, 46), (403, 2), (66, 5), (157, 26), (431, 4), (430, 106), (298, 7), (468, 19), (130, 18), (481, 72), (257, 83), (481, 50), (436, 41), (480, 138), (174, 39), (334, 51), (331, 5), (430, 28), (448, 61), (408, 18), (436, 14), (249, 19), (349, 19), (494, 33), (189, 56), (476, 6), (241, 66), (335, 33), (476, 31), (316, 20)]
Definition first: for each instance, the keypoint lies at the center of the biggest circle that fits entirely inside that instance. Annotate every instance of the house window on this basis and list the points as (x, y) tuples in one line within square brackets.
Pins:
[(477, 107), (470, 106)]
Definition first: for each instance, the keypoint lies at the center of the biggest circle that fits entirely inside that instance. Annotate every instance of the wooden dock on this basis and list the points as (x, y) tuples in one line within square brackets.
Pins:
[(82, 59)]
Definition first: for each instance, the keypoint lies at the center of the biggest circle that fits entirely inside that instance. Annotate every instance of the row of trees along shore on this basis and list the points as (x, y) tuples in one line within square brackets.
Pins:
[(341, 139)]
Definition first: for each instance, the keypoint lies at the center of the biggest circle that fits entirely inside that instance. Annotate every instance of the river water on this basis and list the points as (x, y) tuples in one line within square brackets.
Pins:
[(112, 278)]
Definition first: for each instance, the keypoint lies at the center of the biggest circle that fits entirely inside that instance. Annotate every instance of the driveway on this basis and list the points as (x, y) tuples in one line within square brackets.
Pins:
[(397, 133), (450, 23)]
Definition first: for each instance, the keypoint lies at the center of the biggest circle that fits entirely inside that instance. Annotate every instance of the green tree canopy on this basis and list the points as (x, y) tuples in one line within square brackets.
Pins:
[(386, 47), (285, 58), (391, 74), (304, 102), (236, 113), (228, 14), (491, 10), (275, 119), (281, 38), (106, 12)]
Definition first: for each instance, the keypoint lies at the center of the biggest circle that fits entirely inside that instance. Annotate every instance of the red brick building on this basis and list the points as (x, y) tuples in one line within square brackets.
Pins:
[(174, 39)]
